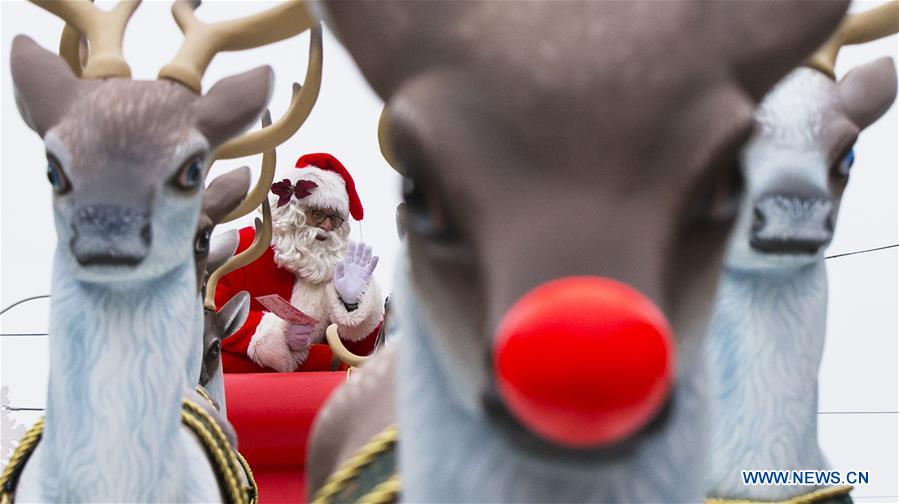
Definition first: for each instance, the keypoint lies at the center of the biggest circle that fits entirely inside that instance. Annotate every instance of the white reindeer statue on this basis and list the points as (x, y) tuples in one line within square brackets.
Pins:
[(548, 148), (768, 330), (126, 160)]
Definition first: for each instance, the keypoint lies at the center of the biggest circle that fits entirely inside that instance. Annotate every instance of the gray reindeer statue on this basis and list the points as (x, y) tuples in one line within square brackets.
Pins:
[(220, 197), (768, 330), (222, 203), (219, 325), (556, 156), (126, 159)]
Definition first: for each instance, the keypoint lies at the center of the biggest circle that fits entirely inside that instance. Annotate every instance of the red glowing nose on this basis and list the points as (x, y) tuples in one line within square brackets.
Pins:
[(584, 361)]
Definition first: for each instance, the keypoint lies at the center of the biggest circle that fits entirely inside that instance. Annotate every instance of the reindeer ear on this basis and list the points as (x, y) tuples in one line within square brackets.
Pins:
[(868, 91), (234, 314), (44, 84), (765, 40), (221, 249), (225, 193), (234, 104)]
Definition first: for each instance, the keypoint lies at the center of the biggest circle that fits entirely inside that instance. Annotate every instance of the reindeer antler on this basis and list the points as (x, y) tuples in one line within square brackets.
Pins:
[(257, 195), (258, 247), (259, 192), (857, 28), (73, 49), (300, 107), (104, 31), (384, 140), (202, 41)]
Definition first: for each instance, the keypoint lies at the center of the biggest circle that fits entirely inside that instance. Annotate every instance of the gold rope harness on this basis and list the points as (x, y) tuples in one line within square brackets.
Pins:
[(226, 462), (17, 461), (809, 498), (205, 395), (385, 492)]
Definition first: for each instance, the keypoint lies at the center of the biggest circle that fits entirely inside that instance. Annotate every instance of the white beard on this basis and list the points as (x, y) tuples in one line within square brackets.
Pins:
[(297, 250)]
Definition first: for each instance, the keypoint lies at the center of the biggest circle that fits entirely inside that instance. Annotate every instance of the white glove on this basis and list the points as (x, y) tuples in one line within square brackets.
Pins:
[(297, 336), (354, 272)]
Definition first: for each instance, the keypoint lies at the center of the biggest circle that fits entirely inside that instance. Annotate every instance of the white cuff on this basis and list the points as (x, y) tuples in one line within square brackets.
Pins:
[(357, 324)]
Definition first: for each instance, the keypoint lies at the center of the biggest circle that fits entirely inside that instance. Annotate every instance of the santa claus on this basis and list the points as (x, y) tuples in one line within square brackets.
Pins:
[(312, 264)]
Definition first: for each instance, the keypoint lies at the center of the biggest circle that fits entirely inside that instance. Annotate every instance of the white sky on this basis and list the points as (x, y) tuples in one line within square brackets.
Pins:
[(859, 372)]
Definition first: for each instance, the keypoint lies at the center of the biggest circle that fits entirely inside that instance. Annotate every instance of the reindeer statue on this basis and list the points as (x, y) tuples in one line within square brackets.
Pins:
[(547, 149), (126, 160), (767, 332), (218, 325), (222, 196), (221, 203)]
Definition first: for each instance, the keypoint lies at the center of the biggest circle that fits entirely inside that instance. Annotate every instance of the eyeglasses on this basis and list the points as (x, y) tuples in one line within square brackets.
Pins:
[(318, 217)]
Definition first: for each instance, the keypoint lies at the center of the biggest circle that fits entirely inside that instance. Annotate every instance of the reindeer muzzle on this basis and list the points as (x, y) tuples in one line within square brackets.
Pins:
[(584, 362), (792, 223), (110, 235)]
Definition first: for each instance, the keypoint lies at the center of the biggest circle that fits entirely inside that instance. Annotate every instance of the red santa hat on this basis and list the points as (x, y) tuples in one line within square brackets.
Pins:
[(321, 182)]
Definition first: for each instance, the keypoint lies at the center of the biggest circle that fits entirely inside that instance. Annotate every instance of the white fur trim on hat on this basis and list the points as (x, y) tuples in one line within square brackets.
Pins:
[(330, 194)]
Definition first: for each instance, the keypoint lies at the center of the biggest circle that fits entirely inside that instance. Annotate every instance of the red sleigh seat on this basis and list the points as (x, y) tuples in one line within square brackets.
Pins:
[(273, 414)]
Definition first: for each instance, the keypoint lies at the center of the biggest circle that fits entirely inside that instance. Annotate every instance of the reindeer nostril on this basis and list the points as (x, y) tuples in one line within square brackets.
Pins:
[(146, 233), (785, 223), (110, 235)]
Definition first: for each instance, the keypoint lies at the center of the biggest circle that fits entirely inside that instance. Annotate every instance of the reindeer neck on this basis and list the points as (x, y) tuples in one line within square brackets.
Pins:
[(216, 388), (764, 351), (460, 457), (117, 360)]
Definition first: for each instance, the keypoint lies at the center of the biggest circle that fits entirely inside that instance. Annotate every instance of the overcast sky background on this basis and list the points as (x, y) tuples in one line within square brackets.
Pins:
[(859, 372)]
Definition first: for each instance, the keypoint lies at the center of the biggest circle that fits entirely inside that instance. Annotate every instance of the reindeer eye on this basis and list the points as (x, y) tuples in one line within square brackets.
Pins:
[(56, 176), (215, 349), (422, 215), (201, 243), (188, 176), (842, 169)]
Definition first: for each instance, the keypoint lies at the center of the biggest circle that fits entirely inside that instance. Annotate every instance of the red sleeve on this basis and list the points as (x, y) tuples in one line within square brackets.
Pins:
[(366, 345)]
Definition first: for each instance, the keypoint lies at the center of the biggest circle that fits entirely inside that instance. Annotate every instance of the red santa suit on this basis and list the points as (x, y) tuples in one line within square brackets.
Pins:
[(260, 345)]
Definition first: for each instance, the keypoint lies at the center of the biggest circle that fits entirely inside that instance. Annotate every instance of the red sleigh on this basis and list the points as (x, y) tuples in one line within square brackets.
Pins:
[(273, 433), (273, 415)]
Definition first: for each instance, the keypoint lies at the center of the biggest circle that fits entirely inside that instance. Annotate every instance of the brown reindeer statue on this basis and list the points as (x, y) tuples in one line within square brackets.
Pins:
[(127, 159), (570, 169), (222, 203)]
